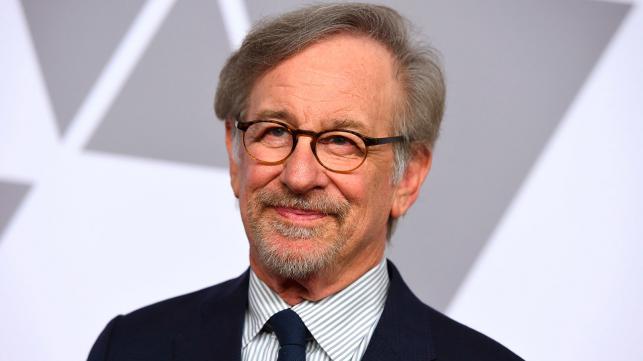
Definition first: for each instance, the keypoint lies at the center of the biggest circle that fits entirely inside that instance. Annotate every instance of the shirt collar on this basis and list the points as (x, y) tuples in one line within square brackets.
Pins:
[(262, 304), (338, 322)]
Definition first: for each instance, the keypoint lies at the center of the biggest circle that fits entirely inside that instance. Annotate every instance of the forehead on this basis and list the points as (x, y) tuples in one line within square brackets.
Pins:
[(345, 78)]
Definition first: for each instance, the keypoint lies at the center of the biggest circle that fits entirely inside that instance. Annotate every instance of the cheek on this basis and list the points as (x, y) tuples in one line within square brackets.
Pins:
[(370, 211), (253, 176), (371, 197)]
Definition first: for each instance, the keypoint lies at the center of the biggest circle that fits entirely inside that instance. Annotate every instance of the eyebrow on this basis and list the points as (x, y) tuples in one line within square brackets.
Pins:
[(276, 114), (336, 123), (349, 124)]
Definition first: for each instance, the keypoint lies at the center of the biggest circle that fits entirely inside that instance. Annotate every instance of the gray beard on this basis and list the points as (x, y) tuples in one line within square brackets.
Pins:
[(287, 263)]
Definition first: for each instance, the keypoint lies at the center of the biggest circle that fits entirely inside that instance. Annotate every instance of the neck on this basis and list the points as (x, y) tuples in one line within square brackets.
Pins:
[(317, 286)]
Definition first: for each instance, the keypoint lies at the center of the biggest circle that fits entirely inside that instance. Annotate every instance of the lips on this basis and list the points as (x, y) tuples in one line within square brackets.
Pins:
[(298, 214)]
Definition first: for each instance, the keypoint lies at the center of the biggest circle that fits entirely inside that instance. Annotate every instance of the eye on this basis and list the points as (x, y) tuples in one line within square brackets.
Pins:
[(265, 131), (269, 135), (341, 144), (275, 132), (337, 140)]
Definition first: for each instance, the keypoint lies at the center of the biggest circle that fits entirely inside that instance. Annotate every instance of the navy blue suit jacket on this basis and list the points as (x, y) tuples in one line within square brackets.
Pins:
[(207, 325)]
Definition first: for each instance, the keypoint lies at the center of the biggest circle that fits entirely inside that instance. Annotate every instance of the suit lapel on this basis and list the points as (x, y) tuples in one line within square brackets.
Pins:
[(218, 335), (403, 331)]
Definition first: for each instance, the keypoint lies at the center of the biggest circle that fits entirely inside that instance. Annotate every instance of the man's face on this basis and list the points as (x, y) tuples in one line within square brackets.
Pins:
[(301, 218)]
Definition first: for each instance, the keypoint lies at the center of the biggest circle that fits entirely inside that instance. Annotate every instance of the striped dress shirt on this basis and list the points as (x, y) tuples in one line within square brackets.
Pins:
[(341, 325)]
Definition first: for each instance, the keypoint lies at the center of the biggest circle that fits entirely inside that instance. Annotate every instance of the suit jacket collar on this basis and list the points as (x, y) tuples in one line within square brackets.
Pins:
[(402, 332)]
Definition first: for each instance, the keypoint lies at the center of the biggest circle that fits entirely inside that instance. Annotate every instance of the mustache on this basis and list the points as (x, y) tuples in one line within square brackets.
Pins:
[(316, 202)]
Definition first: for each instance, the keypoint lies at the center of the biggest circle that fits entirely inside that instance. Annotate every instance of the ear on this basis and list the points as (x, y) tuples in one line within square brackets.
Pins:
[(232, 158), (408, 188)]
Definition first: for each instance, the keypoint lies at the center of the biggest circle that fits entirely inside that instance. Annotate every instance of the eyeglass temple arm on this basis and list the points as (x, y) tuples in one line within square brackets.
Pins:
[(242, 125), (377, 141)]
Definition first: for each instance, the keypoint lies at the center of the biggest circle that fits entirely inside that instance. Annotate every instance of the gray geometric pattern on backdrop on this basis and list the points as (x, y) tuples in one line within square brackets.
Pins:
[(165, 109), (513, 69), (11, 195), (74, 39)]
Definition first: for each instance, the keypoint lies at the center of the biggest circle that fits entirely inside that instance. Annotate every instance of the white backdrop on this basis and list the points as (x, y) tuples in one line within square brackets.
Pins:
[(97, 234)]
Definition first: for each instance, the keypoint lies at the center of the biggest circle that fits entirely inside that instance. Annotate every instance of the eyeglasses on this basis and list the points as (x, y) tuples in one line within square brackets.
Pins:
[(271, 142)]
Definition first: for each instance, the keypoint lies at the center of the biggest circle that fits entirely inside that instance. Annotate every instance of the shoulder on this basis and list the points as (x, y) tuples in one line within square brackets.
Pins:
[(180, 308), (170, 314), (449, 339), (152, 331), (455, 341)]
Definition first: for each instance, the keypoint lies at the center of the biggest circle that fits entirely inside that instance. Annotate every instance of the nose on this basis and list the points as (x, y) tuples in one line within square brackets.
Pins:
[(302, 172)]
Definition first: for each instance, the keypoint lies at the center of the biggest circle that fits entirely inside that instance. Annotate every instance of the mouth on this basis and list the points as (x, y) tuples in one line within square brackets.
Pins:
[(299, 215)]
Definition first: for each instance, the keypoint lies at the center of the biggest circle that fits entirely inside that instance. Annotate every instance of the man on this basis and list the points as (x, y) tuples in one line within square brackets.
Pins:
[(331, 113)]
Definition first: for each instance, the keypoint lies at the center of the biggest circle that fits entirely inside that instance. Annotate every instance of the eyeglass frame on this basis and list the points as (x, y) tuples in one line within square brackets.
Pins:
[(295, 133)]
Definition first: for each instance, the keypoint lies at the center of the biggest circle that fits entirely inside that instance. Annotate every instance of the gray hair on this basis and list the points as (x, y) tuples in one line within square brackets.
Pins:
[(273, 40)]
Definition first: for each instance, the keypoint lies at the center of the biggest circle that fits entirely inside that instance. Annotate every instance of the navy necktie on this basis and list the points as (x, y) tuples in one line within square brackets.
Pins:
[(292, 333)]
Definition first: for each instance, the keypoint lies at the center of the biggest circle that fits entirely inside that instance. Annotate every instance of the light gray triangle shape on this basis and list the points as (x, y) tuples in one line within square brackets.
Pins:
[(11, 196), (165, 109), (74, 39), (513, 69)]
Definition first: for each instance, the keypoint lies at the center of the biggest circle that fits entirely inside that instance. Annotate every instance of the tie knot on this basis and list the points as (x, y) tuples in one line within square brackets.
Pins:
[(289, 328)]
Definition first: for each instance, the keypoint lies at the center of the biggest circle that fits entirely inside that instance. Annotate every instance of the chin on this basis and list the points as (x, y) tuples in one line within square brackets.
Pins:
[(295, 252)]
